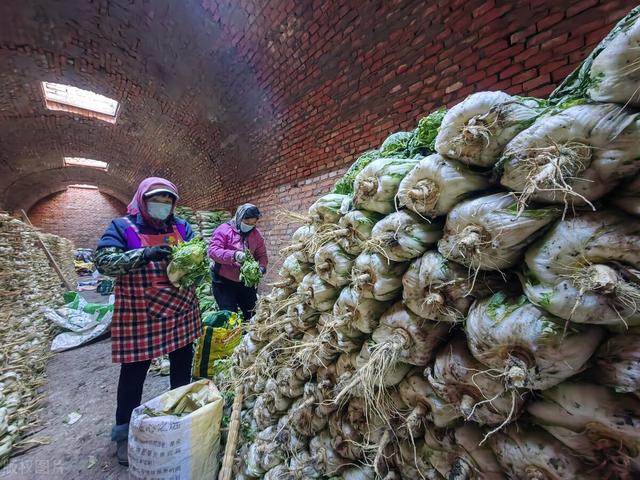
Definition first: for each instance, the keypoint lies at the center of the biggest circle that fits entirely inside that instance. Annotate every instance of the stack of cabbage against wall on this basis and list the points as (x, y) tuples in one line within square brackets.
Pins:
[(465, 304)]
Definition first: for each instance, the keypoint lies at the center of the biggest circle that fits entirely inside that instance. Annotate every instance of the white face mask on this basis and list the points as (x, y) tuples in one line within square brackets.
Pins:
[(159, 211), (244, 227)]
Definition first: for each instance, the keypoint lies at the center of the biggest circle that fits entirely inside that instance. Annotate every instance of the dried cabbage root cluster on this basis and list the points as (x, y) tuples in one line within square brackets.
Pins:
[(28, 283), (481, 270)]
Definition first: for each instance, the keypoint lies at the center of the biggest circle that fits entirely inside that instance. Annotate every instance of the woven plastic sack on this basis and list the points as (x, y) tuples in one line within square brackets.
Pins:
[(84, 321), (222, 333), (168, 447)]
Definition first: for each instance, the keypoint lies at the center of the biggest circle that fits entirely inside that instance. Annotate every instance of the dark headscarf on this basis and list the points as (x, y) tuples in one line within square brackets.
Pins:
[(248, 210)]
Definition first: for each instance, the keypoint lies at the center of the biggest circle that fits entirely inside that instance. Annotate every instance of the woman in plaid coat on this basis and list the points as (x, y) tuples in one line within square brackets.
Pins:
[(151, 316)]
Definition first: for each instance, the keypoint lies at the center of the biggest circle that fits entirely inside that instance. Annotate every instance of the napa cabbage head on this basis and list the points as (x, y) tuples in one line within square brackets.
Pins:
[(344, 186), (189, 265), (396, 145), (424, 137)]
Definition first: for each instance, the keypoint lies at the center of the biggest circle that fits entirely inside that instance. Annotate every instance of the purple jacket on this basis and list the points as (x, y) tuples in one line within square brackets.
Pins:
[(226, 241)]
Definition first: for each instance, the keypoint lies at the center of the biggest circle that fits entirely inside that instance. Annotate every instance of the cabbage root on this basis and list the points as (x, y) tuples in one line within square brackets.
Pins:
[(333, 265), (301, 242), (270, 405), (411, 459), (376, 186), (264, 454), (302, 316), (440, 290), (474, 460), (355, 230), (476, 130), (291, 381), (574, 157), (424, 404), (361, 313), (525, 346), (247, 351), (293, 271), (327, 459), (307, 417), (373, 276), (286, 436), (402, 236), (279, 472), (584, 269), (487, 233), (347, 438), (317, 293), (303, 466), (317, 349), (401, 338), (477, 395), (436, 184)]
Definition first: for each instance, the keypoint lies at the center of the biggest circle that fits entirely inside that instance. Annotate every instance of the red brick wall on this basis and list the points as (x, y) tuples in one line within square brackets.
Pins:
[(77, 213), (342, 86), (338, 77)]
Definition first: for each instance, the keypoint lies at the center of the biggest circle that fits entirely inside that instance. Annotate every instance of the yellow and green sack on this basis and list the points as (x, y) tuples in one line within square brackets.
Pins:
[(222, 334)]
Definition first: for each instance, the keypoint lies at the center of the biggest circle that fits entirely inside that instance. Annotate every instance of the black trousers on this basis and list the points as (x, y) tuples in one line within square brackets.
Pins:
[(132, 376), (232, 296)]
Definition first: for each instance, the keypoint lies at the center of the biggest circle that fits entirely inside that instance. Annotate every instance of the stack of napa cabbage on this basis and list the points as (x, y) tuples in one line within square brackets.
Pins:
[(465, 304)]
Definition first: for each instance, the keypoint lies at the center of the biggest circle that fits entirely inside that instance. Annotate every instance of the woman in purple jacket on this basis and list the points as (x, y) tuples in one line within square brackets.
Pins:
[(227, 249)]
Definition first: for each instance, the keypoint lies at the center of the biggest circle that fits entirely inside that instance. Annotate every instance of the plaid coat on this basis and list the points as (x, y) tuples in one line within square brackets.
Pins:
[(151, 316)]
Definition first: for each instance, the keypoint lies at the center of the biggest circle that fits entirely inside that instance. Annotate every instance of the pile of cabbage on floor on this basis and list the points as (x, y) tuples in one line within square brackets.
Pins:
[(466, 304), (29, 283)]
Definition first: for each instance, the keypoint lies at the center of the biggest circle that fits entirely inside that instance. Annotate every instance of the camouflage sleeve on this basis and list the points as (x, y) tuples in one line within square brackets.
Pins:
[(114, 261)]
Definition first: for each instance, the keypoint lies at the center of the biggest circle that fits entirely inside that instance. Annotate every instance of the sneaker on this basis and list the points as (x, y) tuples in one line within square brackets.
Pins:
[(122, 452)]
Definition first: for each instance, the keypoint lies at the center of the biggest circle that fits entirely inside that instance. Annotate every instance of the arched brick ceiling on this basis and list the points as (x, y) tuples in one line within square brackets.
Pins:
[(233, 99), (163, 60), (30, 188)]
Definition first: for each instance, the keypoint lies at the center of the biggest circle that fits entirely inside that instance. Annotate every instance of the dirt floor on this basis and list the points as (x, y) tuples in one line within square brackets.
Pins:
[(82, 380)]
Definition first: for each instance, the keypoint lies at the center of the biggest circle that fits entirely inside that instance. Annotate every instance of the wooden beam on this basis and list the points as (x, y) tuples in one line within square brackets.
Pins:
[(232, 437), (50, 257)]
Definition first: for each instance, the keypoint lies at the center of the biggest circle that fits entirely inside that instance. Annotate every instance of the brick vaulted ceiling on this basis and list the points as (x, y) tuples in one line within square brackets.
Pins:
[(172, 68), (228, 97)]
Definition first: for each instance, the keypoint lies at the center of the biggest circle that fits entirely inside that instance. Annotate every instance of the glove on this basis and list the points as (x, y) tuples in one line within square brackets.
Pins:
[(263, 270), (155, 254), (239, 256)]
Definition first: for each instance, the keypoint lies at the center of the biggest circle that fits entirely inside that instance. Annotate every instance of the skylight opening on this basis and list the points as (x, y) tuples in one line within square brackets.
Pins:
[(83, 102), (84, 186), (85, 162)]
